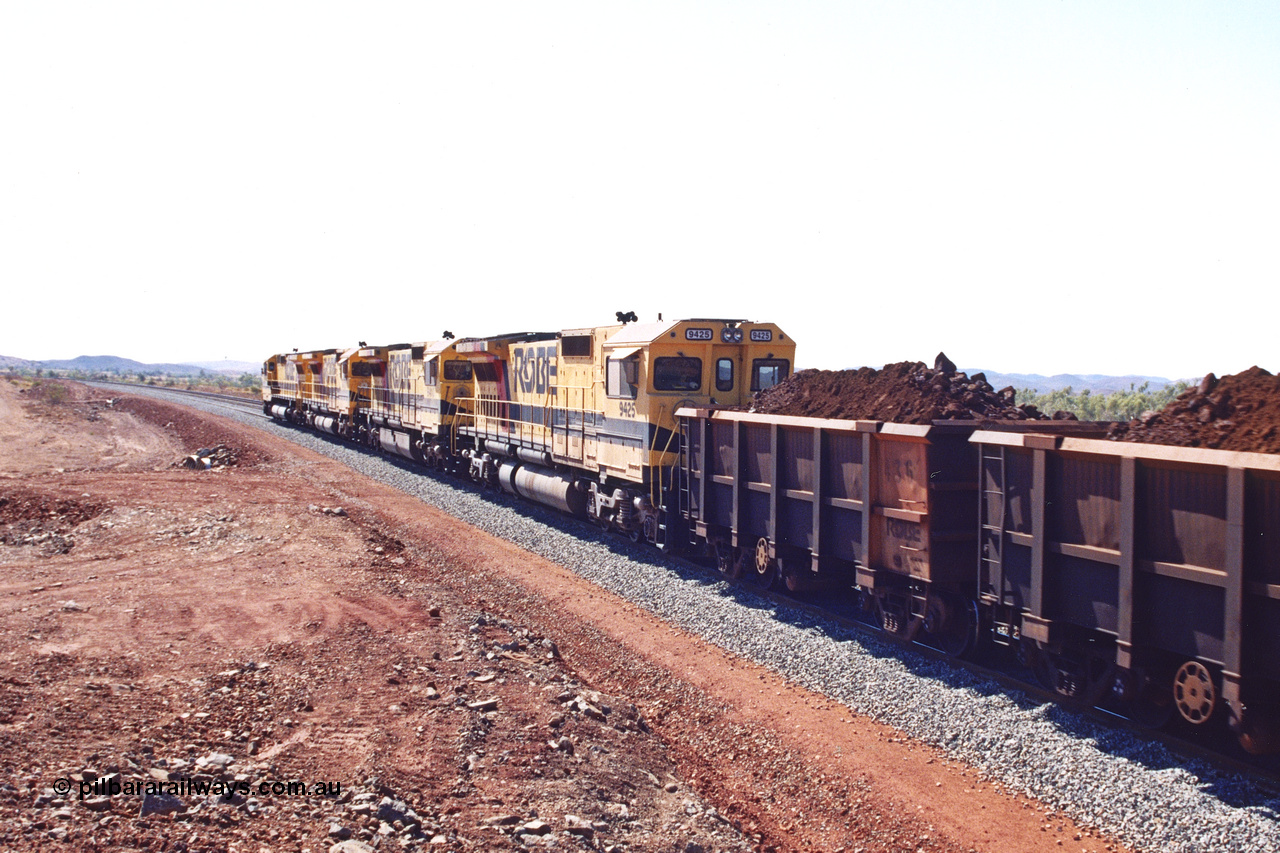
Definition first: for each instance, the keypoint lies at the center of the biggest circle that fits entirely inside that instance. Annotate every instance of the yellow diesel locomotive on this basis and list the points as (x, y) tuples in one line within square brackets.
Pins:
[(581, 419)]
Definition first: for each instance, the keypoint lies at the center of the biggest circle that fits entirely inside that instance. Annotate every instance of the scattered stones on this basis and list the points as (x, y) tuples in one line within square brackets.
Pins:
[(161, 804), (535, 827), (206, 458)]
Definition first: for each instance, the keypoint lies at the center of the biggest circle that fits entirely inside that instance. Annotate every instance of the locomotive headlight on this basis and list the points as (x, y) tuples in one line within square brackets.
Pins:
[(726, 335), (737, 336)]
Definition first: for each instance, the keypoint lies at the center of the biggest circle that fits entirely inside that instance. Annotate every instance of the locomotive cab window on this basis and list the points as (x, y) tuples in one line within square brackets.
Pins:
[(724, 374), (767, 372), (622, 377), (677, 373), (431, 371), (459, 370)]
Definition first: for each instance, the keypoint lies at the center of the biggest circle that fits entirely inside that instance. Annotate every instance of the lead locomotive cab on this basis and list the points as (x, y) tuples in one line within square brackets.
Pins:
[(584, 419)]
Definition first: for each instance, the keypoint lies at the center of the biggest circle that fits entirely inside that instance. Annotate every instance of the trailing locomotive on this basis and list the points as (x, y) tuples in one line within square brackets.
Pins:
[(1137, 577)]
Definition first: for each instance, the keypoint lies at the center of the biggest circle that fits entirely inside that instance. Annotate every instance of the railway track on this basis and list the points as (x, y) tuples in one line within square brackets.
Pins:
[(231, 401)]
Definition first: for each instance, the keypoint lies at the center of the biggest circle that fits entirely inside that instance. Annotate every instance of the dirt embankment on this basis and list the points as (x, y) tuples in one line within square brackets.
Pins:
[(201, 639)]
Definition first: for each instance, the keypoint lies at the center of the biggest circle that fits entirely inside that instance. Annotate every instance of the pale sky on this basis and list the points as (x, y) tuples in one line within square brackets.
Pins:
[(1035, 187)]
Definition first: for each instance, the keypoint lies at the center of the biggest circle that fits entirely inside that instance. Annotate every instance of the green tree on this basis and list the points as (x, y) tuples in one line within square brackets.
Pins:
[(1116, 406)]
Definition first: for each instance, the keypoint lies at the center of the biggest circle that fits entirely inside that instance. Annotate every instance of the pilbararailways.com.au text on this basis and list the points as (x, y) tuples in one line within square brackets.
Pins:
[(194, 787)]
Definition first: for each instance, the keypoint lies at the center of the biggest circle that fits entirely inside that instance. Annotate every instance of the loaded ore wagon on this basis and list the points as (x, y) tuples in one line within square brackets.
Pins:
[(1146, 572), (889, 508)]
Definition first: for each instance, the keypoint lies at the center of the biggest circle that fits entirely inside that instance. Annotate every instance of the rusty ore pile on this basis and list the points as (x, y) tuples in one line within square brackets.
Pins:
[(908, 392), (1240, 411)]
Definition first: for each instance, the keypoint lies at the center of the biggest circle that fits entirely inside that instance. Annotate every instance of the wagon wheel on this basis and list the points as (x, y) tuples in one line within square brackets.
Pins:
[(895, 622), (1194, 693), (1080, 682), (952, 625), (1151, 712), (649, 529), (765, 567), (728, 560), (1144, 701)]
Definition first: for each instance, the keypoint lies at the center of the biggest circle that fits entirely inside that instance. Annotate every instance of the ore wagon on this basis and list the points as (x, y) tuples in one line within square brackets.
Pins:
[(1137, 573), (891, 508)]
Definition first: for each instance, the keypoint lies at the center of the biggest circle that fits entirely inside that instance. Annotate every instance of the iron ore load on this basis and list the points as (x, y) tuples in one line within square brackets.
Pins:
[(1139, 577)]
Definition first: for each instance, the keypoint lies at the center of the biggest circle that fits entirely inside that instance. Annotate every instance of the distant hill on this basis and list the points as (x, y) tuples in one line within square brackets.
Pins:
[(1096, 383), (8, 362), (116, 364)]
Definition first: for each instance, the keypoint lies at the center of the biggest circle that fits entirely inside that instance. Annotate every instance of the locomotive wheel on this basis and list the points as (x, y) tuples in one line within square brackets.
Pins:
[(766, 567), (1194, 693)]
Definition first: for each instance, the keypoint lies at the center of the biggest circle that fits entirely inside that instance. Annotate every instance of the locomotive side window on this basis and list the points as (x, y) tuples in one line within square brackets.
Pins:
[(672, 373), (767, 372), (724, 374), (575, 346), (622, 377), (431, 371), (459, 370)]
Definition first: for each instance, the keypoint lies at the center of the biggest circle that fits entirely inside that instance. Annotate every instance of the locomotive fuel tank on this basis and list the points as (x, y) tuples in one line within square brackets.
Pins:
[(544, 486)]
